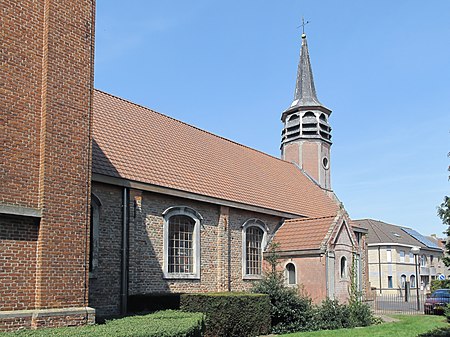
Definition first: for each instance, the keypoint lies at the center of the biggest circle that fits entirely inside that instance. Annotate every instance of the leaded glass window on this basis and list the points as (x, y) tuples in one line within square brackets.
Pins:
[(254, 237), (181, 245)]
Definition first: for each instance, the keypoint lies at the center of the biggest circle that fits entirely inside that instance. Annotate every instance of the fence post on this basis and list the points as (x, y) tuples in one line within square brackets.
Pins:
[(407, 291)]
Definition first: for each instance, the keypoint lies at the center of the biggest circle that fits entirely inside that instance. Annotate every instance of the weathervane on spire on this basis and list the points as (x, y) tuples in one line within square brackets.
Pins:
[(303, 26)]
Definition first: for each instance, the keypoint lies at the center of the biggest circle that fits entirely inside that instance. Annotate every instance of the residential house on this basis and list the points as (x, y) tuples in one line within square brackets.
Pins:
[(392, 260)]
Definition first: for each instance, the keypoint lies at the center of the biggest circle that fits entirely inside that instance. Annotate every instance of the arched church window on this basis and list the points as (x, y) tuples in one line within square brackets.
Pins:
[(343, 267), (253, 243), (290, 274), (181, 242)]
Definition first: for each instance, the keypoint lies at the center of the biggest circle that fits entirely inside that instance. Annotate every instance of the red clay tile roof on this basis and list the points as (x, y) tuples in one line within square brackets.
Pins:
[(302, 234), (136, 143)]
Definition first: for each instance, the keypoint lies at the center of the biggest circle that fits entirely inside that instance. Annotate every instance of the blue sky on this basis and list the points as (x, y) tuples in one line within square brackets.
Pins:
[(229, 67)]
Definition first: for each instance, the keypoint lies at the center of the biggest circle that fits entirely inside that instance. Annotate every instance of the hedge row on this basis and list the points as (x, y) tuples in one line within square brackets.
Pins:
[(160, 324), (230, 314)]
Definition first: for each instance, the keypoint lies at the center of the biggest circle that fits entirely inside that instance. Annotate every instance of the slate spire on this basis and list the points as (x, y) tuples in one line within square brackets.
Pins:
[(305, 91), (306, 135)]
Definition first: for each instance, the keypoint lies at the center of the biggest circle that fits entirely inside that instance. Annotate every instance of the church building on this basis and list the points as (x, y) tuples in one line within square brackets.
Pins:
[(104, 199)]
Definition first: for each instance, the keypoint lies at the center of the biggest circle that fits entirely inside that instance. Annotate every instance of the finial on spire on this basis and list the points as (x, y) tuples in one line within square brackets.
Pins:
[(303, 27)]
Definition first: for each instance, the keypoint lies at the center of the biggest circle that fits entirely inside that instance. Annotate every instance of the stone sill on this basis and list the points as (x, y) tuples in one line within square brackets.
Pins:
[(21, 211), (182, 277), (252, 277), (47, 312)]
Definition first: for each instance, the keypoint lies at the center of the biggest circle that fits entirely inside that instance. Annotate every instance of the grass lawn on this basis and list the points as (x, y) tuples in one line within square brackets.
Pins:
[(408, 326)]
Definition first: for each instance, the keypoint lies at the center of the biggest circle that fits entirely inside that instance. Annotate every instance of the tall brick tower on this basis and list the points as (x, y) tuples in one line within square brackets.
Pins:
[(306, 136), (46, 98)]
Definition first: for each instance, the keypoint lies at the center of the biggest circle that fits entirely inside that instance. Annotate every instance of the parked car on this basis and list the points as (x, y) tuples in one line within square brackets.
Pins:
[(436, 303)]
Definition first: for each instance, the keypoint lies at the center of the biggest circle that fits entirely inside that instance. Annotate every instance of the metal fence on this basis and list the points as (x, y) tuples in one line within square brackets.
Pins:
[(398, 303)]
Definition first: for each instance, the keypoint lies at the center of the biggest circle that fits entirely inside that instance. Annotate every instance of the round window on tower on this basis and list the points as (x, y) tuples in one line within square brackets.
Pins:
[(325, 163)]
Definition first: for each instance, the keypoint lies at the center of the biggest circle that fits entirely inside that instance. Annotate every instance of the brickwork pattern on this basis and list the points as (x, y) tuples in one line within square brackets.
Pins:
[(310, 158), (54, 321), (343, 248), (12, 324), (21, 78), (311, 275), (64, 175), (36, 321), (104, 286), (221, 247), (48, 79), (291, 153), (18, 242)]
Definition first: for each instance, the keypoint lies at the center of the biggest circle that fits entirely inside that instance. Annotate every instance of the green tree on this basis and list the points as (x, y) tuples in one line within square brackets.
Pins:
[(444, 214)]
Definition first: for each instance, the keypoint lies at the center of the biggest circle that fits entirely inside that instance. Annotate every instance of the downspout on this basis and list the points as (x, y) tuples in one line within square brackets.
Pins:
[(379, 266), (124, 252), (327, 281)]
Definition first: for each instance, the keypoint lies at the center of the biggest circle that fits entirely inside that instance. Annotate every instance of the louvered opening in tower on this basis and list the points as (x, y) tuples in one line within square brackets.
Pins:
[(325, 129), (309, 124)]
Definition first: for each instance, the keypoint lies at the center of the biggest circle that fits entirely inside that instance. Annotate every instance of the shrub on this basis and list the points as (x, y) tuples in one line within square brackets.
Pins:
[(439, 332), (447, 312), (360, 314), (331, 315), (230, 314), (290, 311), (376, 320), (440, 284), (160, 324)]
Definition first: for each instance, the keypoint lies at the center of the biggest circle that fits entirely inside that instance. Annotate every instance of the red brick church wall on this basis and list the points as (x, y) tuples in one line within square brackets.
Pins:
[(48, 76), (220, 247)]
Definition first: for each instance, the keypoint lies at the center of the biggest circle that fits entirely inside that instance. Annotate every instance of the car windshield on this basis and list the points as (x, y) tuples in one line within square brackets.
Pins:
[(441, 294)]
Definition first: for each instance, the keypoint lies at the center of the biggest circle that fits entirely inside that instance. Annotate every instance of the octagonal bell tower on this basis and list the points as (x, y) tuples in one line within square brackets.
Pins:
[(306, 135)]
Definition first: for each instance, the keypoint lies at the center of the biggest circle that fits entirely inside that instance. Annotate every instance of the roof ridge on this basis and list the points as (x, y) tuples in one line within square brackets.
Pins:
[(192, 126), (307, 219), (382, 222)]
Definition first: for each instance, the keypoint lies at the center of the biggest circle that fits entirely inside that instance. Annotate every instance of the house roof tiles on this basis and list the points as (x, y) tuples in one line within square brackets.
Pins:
[(304, 234), (380, 232)]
